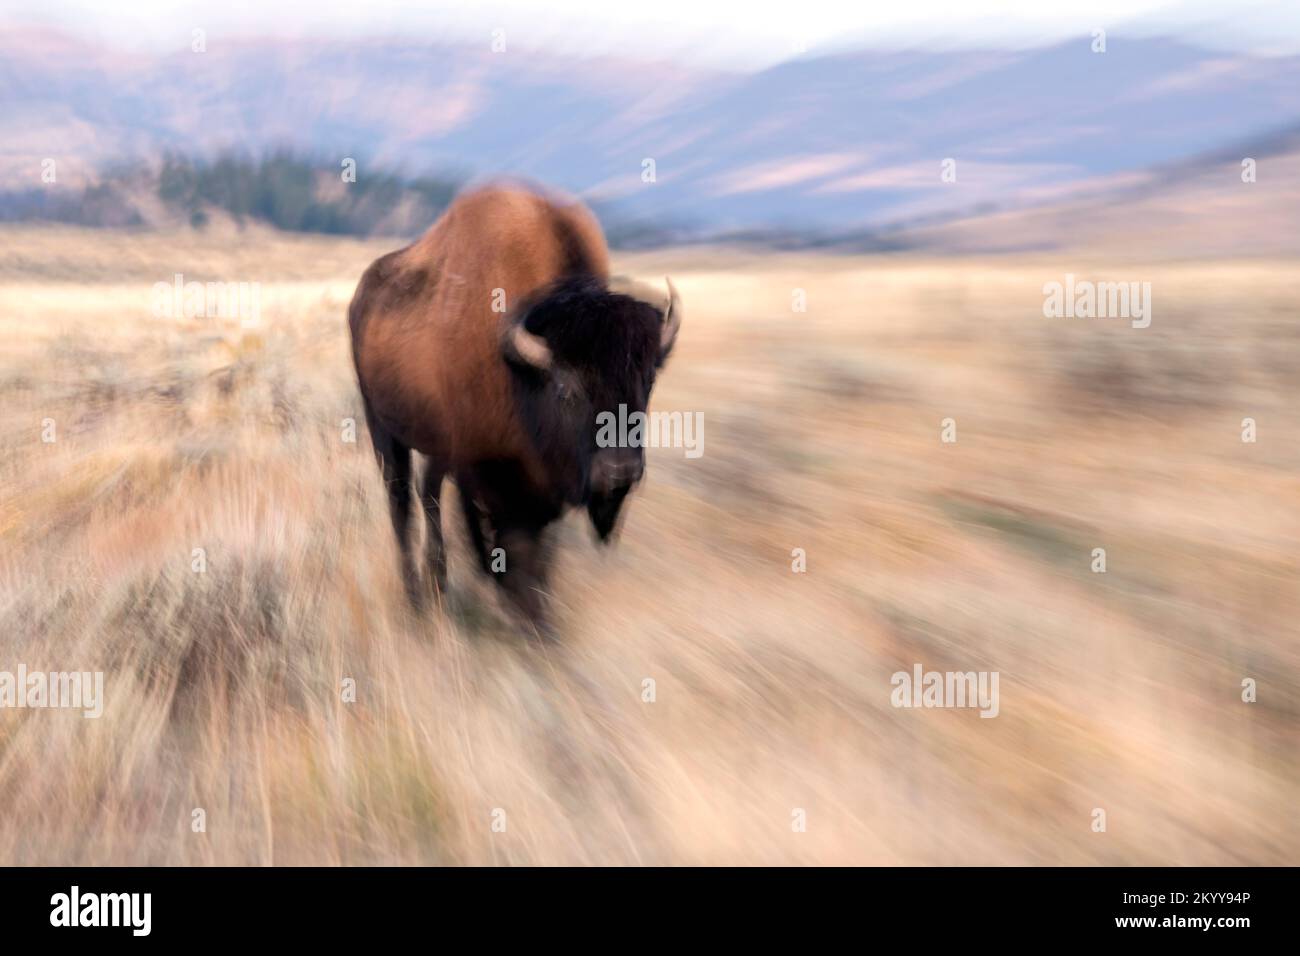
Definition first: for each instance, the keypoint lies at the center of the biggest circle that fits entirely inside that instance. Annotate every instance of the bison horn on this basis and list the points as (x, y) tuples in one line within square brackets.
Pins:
[(672, 321), (530, 348)]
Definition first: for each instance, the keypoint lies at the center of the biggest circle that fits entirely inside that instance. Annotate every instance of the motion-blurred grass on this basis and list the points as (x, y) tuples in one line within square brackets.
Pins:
[(1119, 691)]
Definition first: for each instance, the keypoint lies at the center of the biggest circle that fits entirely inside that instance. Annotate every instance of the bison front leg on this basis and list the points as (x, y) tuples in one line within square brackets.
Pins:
[(523, 557), (474, 520), (395, 463), (431, 500)]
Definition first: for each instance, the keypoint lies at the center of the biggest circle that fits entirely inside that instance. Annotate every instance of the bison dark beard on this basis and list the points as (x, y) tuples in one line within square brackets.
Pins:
[(603, 509)]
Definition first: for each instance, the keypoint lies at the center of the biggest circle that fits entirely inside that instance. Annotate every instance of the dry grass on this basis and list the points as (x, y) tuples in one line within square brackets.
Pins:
[(1119, 691)]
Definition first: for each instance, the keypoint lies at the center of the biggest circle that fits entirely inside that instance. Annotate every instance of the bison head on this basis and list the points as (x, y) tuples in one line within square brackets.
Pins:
[(579, 352)]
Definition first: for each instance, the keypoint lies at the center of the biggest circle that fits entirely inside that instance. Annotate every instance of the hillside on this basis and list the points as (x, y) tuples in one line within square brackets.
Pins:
[(1200, 209), (829, 143)]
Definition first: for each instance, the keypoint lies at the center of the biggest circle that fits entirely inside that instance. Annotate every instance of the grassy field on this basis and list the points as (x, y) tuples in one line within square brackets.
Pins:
[(223, 688)]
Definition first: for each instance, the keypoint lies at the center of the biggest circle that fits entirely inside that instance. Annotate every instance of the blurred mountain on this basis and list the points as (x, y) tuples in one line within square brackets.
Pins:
[(818, 144), (1203, 207)]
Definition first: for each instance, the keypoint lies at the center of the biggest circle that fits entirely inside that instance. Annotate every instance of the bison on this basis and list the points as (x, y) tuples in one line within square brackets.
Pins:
[(490, 345)]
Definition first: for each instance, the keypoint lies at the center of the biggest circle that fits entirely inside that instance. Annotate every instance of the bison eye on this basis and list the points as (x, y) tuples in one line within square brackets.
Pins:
[(563, 392)]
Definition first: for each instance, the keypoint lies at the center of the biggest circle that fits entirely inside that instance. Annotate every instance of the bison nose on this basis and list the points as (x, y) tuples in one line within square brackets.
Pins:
[(616, 468)]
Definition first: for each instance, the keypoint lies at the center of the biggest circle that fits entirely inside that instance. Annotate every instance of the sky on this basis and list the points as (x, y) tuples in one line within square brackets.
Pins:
[(729, 34)]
